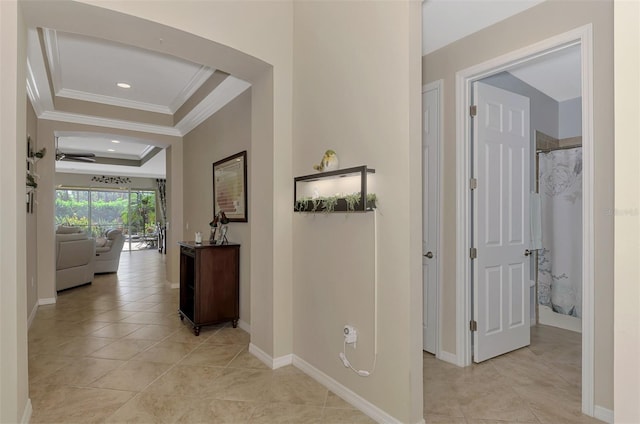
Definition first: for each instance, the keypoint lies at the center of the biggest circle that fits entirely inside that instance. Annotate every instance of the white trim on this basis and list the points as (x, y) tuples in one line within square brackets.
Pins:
[(345, 393), (109, 123), (282, 361), (463, 231), (199, 78), (272, 363), (603, 414), (70, 93), (244, 326), (32, 315), (464, 78), (588, 243), (26, 414), (50, 37), (47, 301), (439, 87), (449, 357), (32, 90), (546, 316), (224, 93)]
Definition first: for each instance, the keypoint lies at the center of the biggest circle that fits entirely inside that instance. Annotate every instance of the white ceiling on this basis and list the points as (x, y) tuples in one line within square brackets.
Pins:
[(89, 68), (557, 74), (446, 21), (81, 69)]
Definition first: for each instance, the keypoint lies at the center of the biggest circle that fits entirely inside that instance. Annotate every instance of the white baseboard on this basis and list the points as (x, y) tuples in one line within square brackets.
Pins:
[(32, 315), (26, 414), (273, 363), (345, 393), (553, 319), (243, 325), (603, 414), (47, 301), (448, 357)]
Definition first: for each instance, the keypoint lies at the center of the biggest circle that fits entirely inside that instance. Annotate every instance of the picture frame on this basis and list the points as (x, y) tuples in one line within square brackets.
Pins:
[(230, 187)]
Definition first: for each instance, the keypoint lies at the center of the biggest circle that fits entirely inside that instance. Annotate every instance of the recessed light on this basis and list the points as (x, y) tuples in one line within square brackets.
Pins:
[(123, 85), (110, 150), (115, 141)]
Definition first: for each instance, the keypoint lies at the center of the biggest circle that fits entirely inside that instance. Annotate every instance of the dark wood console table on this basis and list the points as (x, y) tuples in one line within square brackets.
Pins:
[(209, 283)]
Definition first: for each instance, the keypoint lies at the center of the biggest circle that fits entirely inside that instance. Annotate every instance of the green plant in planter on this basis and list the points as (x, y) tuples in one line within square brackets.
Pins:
[(301, 204), (372, 198), (316, 202), (329, 203), (352, 200)]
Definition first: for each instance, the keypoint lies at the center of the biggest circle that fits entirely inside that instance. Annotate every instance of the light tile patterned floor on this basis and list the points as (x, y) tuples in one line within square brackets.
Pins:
[(536, 384), (116, 352)]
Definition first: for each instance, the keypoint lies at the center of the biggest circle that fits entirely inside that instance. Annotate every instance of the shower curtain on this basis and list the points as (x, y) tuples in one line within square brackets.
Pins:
[(560, 260)]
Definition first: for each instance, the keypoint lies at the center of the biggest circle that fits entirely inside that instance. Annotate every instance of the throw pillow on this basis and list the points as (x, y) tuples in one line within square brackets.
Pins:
[(67, 230)]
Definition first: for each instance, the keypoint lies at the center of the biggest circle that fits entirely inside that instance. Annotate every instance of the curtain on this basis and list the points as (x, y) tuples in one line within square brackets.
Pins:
[(162, 194), (560, 260)]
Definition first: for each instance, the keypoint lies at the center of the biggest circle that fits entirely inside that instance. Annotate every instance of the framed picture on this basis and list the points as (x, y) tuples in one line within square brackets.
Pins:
[(230, 187)]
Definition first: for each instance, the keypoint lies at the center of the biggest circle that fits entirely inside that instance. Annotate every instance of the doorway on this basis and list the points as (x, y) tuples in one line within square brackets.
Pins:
[(465, 79)]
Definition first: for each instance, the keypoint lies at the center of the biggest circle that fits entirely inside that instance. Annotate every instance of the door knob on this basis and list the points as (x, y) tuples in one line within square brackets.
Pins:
[(429, 255), (527, 252)]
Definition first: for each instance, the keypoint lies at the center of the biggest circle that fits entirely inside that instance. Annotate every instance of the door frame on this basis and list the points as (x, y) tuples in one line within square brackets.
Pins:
[(580, 36), (437, 85)]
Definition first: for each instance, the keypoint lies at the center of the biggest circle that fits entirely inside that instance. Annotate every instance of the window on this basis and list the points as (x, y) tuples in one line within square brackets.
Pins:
[(97, 210)]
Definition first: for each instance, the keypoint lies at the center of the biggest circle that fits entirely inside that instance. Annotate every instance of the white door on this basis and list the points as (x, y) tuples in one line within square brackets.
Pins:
[(501, 157), (430, 209)]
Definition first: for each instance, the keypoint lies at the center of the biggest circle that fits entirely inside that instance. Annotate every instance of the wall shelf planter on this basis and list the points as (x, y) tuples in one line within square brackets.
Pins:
[(343, 190)]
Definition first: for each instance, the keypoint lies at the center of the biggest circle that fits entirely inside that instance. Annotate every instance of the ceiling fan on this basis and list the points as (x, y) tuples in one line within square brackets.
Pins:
[(78, 157)]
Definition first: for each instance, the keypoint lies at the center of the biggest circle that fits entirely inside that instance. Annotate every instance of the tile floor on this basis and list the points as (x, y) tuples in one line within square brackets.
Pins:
[(536, 384), (116, 352)]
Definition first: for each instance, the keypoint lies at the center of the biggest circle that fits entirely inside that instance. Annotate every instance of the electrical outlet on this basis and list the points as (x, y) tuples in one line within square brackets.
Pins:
[(350, 334)]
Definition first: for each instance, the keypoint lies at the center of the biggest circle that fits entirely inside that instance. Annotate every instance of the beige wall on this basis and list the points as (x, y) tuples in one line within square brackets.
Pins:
[(224, 134), (627, 217), (14, 389), (538, 23), (32, 222), (252, 41), (346, 99)]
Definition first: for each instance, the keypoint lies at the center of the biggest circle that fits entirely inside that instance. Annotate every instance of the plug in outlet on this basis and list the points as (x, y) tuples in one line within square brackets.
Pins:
[(350, 335)]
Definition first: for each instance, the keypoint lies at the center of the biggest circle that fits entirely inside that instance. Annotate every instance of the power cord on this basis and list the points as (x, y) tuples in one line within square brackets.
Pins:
[(343, 354)]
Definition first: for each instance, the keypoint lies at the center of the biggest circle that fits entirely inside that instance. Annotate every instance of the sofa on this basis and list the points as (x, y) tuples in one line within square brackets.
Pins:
[(75, 258), (108, 251)]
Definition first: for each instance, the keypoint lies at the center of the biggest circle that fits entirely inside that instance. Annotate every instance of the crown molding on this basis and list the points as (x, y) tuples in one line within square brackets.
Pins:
[(109, 123), (50, 37), (224, 93), (32, 91), (199, 78), (113, 101)]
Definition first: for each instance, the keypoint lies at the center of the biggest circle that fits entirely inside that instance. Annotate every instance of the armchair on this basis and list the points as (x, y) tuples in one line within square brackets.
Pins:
[(108, 255), (75, 258)]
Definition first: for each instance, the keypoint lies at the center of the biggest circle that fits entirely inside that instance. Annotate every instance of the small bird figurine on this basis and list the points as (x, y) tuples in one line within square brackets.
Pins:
[(329, 162)]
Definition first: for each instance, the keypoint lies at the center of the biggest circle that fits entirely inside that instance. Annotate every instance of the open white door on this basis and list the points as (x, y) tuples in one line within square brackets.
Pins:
[(501, 156), (430, 211)]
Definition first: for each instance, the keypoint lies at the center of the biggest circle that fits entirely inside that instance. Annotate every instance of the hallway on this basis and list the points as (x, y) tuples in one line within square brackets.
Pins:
[(116, 351), (536, 384)]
